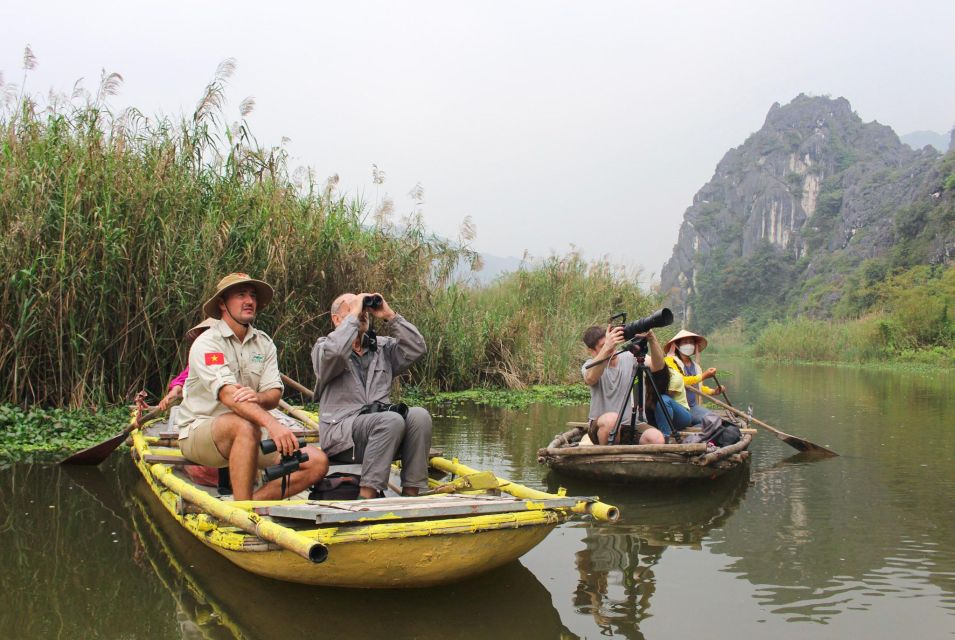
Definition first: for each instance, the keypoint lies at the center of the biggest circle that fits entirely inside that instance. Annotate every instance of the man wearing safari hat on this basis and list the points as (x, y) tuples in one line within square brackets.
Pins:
[(232, 384), (680, 351)]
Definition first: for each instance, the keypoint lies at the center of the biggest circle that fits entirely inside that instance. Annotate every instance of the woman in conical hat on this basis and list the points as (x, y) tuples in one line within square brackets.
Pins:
[(681, 350)]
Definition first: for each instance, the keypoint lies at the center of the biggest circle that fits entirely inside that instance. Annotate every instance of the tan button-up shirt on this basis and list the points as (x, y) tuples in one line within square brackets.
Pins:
[(218, 358)]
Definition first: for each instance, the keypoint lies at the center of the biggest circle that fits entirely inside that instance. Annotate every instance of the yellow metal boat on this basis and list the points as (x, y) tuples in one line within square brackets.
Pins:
[(389, 542)]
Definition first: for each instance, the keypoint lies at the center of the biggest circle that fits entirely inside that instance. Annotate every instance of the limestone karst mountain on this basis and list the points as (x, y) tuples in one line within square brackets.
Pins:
[(810, 198)]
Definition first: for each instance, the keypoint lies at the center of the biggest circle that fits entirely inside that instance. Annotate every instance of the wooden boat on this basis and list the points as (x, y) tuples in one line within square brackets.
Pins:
[(212, 596), (381, 543), (641, 463)]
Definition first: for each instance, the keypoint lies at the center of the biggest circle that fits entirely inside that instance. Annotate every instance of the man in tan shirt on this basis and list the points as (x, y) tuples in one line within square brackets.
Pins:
[(233, 382)]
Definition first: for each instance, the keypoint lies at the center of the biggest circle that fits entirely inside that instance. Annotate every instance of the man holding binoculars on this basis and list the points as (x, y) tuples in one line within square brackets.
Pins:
[(354, 370)]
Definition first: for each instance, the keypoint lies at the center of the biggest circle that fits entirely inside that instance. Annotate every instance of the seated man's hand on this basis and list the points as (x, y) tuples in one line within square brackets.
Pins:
[(169, 398), (245, 394), (356, 308), (384, 312), (285, 441)]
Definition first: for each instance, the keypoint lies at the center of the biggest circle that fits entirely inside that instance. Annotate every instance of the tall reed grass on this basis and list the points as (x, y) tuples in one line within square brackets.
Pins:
[(115, 227)]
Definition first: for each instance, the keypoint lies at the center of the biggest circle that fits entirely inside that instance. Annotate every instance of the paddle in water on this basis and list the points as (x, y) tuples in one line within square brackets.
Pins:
[(99, 452), (793, 441)]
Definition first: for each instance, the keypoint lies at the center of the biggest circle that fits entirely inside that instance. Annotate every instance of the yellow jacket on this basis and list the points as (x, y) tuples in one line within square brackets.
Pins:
[(677, 365)]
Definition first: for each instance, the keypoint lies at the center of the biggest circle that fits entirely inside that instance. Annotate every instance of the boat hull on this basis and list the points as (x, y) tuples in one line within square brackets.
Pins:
[(633, 464), (600, 468), (386, 551), (397, 563)]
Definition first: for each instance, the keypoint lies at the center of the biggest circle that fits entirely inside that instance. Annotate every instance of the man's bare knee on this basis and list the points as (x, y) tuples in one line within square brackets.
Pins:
[(317, 464), (652, 436), (608, 419)]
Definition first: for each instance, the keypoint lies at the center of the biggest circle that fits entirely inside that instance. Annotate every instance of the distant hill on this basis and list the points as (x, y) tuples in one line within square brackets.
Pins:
[(919, 139), (801, 208), (492, 268)]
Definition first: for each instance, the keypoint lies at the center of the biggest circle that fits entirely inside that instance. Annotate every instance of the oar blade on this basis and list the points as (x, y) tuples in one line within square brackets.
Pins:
[(807, 447), (97, 453)]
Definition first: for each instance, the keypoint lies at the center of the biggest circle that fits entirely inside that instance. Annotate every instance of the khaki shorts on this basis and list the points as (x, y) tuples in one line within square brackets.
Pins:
[(201, 448)]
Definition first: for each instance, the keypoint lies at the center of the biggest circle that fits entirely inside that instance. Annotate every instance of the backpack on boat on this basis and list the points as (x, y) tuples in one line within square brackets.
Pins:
[(336, 486), (715, 429)]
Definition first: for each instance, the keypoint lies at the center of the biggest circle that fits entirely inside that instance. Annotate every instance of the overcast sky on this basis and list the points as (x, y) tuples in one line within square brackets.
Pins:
[(550, 123)]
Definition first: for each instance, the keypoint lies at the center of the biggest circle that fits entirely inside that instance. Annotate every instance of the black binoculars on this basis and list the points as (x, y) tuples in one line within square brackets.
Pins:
[(372, 302), (287, 465)]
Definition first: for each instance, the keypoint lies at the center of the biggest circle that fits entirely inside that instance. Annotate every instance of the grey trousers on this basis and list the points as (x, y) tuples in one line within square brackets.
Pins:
[(378, 439)]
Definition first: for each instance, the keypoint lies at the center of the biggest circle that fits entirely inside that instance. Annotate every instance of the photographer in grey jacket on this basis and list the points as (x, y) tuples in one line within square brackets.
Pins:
[(354, 371)]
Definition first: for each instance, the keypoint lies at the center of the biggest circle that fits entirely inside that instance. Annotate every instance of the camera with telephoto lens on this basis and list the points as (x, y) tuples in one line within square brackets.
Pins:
[(661, 318), (287, 465), (372, 302)]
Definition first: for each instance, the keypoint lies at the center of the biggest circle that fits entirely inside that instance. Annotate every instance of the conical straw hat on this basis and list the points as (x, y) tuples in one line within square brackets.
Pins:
[(193, 333), (700, 340)]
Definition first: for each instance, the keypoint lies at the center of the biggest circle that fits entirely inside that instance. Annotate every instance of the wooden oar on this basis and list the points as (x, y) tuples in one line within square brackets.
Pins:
[(795, 442), (301, 388), (99, 452), (722, 389)]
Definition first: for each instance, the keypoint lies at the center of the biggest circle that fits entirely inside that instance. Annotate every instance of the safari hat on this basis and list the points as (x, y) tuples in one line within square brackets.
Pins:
[(193, 333), (264, 291), (700, 340)]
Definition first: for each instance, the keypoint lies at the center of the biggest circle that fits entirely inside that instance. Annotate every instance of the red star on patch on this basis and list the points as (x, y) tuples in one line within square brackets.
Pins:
[(215, 358)]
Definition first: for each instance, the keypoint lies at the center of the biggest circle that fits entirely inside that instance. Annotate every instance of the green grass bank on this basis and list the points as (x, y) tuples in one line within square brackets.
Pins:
[(902, 319)]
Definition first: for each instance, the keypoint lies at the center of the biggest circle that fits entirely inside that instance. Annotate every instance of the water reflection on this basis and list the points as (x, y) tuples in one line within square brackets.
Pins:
[(616, 578), (794, 547), (69, 562)]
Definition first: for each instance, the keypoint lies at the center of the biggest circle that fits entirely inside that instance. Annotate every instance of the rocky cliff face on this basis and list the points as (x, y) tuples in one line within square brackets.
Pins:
[(814, 181)]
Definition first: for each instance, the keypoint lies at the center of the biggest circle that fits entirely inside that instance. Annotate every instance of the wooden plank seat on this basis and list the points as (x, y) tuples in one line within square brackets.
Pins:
[(407, 508)]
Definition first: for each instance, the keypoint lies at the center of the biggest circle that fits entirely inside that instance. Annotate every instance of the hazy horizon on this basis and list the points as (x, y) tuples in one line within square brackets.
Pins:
[(550, 124)]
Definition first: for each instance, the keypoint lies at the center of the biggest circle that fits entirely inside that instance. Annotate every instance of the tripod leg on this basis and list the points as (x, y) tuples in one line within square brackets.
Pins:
[(623, 407), (661, 406), (637, 415)]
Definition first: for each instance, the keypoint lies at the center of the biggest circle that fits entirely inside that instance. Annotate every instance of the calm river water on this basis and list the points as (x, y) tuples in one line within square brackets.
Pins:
[(861, 544)]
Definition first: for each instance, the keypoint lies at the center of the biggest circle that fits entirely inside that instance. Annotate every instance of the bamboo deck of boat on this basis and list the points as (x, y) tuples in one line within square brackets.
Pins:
[(641, 463), (381, 543)]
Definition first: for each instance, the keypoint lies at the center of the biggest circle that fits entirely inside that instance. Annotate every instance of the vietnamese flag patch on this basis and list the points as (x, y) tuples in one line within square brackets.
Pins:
[(215, 358)]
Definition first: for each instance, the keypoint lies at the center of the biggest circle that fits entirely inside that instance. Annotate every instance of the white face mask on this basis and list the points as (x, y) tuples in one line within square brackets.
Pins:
[(687, 349)]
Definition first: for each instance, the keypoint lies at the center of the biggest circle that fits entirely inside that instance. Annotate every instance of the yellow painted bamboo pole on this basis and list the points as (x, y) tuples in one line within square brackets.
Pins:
[(599, 510), (248, 521), (306, 419)]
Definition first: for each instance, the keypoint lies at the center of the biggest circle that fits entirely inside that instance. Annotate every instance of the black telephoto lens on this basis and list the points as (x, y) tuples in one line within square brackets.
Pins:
[(661, 318)]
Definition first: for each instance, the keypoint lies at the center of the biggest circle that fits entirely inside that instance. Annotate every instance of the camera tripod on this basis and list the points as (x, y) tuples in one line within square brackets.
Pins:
[(641, 373)]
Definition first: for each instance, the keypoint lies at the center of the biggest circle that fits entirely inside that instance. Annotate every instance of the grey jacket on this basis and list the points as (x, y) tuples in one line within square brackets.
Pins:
[(339, 389)]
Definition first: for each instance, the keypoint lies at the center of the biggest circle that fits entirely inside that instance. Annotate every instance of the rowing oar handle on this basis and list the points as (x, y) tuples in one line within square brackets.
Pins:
[(301, 388), (741, 414), (722, 389), (135, 424)]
